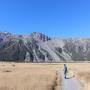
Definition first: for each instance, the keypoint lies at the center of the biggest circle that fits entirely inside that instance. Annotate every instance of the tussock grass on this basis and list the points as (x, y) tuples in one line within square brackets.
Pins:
[(57, 82), (85, 79), (39, 76), (82, 73), (25, 76)]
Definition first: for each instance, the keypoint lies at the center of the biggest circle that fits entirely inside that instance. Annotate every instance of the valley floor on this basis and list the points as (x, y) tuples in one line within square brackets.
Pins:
[(40, 76)]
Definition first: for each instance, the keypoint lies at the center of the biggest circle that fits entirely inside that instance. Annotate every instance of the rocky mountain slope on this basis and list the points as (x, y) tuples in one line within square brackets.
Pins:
[(38, 47)]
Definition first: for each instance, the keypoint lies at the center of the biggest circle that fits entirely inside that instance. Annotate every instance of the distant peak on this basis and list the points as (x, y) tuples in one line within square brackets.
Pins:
[(36, 33), (39, 36)]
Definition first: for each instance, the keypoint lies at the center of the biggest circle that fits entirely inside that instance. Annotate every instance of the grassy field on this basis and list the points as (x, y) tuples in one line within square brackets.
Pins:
[(40, 76)]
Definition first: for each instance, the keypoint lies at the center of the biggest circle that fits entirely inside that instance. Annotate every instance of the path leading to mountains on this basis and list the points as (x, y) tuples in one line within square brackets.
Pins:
[(69, 83)]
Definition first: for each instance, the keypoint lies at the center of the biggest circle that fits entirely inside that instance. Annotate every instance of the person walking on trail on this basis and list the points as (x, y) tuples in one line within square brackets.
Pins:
[(65, 71)]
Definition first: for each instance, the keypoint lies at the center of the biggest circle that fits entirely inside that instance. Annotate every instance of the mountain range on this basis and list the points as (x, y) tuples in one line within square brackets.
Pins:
[(37, 47)]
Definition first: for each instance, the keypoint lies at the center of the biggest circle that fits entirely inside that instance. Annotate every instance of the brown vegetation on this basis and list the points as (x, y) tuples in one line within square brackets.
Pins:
[(16, 76), (31, 76), (82, 71)]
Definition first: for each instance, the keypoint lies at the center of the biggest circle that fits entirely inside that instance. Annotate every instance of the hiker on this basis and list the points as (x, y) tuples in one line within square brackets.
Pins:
[(65, 71)]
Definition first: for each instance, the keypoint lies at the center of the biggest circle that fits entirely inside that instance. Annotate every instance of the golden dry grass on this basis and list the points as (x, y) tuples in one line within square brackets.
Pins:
[(29, 76), (16, 76), (82, 71)]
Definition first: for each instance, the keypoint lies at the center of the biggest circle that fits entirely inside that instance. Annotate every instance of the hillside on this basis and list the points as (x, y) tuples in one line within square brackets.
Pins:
[(37, 47)]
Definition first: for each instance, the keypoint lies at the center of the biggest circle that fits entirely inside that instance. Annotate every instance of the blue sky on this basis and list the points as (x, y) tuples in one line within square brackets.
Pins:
[(60, 18)]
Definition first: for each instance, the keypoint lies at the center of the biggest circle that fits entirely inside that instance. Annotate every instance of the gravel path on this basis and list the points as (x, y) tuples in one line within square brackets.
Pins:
[(69, 83)]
